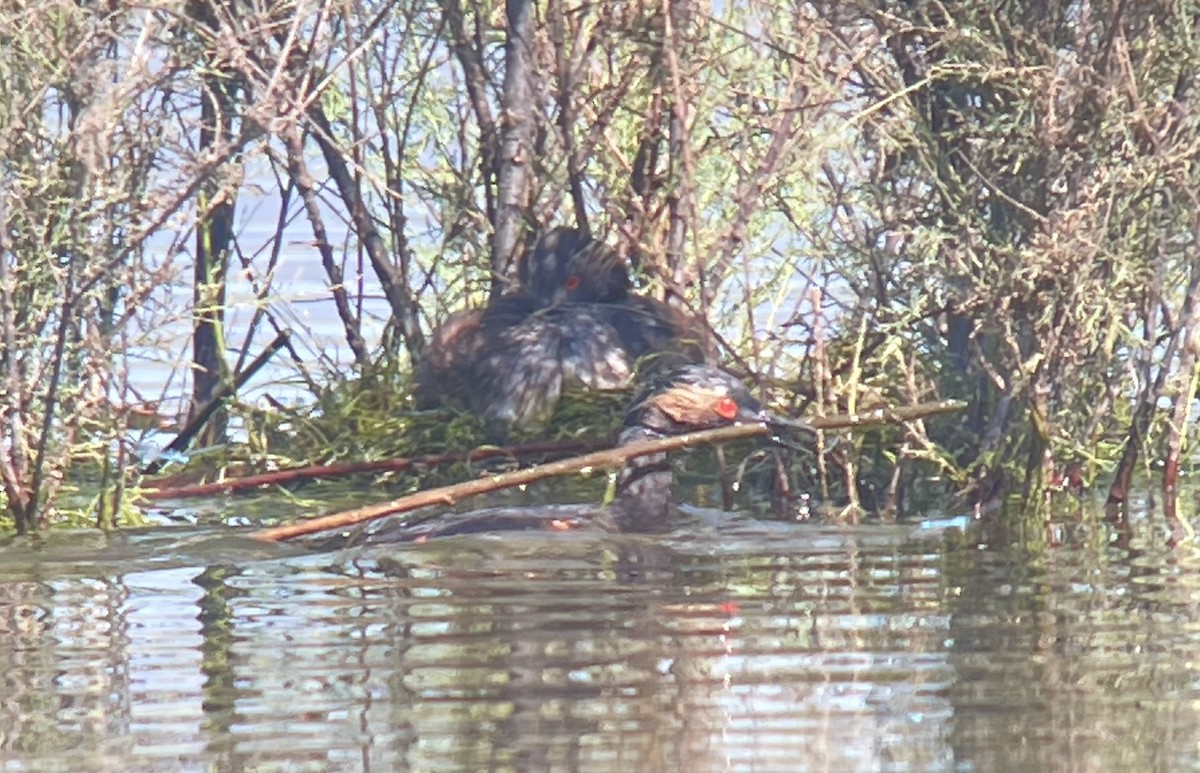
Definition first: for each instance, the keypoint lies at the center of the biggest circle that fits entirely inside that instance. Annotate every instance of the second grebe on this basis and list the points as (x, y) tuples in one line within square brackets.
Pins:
[(680, 400)]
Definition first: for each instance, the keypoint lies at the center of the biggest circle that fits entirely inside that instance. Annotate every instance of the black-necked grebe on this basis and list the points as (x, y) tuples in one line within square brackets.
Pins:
[(572, 324), (677, 401), (567, 265)]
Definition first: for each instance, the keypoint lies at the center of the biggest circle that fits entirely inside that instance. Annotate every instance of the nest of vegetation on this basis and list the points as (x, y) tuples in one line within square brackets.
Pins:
[(373, 417)]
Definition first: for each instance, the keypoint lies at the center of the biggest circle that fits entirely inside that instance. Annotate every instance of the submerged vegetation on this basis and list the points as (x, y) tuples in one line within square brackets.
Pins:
[(869, 203)]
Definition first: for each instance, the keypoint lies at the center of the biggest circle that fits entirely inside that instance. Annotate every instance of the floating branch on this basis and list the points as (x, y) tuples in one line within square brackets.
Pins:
[(451, 495)]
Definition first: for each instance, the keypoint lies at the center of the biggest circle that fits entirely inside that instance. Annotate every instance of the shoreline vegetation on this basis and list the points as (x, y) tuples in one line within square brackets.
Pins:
[(868, 204)]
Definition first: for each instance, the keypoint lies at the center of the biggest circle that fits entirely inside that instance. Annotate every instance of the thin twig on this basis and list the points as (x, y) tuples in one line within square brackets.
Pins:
[(224, 391), (397, 464)]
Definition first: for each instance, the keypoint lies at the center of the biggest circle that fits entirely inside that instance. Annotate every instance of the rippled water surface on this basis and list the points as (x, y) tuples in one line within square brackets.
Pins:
[(766, 647)]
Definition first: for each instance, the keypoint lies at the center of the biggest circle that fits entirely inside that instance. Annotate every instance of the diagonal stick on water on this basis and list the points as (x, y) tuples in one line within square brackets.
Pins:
[(451, 495)]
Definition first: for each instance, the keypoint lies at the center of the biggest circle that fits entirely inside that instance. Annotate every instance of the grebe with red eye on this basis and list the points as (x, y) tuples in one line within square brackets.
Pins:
[(680, 400), (572, 324)]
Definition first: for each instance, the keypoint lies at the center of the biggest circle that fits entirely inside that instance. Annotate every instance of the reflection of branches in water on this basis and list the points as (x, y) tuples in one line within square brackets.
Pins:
[(65, 655), (739, 645), (649, 656)]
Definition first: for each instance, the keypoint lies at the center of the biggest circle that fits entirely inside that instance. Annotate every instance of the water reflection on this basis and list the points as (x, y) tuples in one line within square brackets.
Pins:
[(1082, 652), (635, 656), (756, 648)]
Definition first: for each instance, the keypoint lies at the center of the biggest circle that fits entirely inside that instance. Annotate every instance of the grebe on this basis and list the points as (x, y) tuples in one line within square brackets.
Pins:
[(572, 324), (680, 400)]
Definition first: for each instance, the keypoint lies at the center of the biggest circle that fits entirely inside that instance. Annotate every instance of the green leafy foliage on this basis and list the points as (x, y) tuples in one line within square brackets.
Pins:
[(867, 202)]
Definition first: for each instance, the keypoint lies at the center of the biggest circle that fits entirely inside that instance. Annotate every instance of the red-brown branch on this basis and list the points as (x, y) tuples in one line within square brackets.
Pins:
[(397, 464)]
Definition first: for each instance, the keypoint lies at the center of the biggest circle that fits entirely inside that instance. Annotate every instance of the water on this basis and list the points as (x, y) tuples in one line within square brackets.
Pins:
[(751, 647)]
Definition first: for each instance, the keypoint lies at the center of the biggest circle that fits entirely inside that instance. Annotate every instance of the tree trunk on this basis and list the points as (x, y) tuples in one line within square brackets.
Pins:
[(214, 238), (516, 142)]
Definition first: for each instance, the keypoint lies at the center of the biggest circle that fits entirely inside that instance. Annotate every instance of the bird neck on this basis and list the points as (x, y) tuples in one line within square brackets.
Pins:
[(644, 500)]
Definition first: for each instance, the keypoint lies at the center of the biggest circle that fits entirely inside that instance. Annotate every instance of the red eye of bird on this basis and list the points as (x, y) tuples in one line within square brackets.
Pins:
[(572, 283), (726, 408)]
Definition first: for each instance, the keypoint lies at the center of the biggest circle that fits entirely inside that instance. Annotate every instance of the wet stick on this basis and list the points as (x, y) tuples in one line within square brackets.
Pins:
[(451, 495)]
